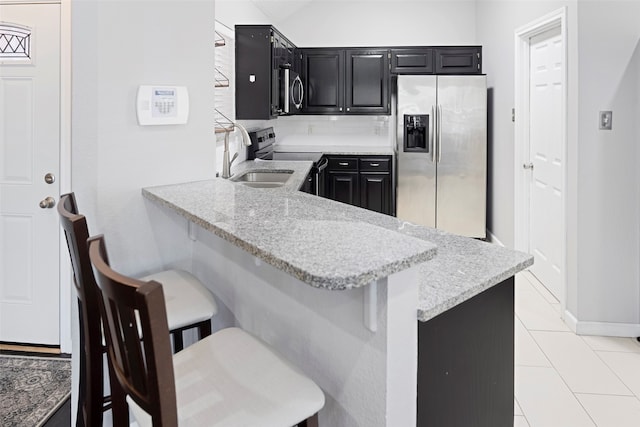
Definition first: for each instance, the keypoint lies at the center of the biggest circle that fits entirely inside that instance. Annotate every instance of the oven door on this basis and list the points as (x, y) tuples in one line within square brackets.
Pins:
[(291, 91)]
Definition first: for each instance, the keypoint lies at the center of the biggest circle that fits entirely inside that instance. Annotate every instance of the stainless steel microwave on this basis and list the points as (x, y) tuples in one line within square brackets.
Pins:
[(291, 91)]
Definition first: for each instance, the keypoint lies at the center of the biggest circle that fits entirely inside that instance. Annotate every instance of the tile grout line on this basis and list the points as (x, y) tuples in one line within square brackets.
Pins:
[(560, 376), (614, 372)]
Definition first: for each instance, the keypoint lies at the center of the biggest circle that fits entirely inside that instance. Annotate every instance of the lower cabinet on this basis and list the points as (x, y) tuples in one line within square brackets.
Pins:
[(363, 181), (375, 192), (344, 187)]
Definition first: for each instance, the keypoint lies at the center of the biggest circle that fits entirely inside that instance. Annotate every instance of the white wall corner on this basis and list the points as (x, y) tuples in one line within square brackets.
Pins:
[(402, 347)]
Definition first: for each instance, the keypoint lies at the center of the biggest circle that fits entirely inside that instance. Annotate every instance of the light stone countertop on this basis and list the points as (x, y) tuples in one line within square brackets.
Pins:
[(291, 221), (312, 238)]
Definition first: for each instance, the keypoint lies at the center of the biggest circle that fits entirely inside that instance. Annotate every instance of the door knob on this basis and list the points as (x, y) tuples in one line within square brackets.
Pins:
[(49, 178), (47, 203), (528, 165)]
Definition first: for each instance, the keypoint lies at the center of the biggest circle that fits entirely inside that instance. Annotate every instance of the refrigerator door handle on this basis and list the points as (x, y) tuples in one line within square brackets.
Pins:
[(439, 133), (432, 131)]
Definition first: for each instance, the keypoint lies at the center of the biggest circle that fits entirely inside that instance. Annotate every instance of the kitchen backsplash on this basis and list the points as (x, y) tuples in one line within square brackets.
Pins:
[(334, 130)]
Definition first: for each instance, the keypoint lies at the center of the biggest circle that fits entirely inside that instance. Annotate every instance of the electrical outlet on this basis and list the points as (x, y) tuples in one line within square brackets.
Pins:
[(605, 119)]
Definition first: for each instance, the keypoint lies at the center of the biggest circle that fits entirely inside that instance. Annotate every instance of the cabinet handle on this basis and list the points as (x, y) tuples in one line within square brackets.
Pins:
[(340, 108), (374, 165), (343, 164), (348, 109)]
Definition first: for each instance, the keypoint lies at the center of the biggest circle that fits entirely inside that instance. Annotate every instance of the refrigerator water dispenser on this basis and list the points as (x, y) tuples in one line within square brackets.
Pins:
[(416, 133)]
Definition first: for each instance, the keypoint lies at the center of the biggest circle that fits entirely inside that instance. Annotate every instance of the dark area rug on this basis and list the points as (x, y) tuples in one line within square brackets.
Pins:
[(32, 388)]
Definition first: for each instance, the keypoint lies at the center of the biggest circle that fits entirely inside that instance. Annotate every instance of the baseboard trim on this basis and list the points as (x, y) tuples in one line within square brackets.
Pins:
[(606, 329), (493, 239), (29, 348), (570, 320)]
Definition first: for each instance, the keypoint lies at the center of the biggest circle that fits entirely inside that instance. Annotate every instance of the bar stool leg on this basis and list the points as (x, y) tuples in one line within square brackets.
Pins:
[(204, 328), (178, 344)]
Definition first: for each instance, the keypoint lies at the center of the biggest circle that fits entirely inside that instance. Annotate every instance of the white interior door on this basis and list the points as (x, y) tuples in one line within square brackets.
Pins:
[(546, 157), (29, 150)]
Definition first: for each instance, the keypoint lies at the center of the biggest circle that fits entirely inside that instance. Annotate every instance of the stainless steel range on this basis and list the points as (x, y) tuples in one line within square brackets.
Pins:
[(263, 148)]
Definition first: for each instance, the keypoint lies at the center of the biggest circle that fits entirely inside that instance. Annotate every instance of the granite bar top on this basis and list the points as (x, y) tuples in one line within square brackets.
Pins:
[(314, 239), (461, 269)]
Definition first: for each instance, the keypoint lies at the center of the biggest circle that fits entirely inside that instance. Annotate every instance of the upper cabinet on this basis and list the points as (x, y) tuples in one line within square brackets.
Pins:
[(346, 81), (367, 82), (273, 77), (458, 60), (437, 60), (323, 76), (262, 54), (412, 61)]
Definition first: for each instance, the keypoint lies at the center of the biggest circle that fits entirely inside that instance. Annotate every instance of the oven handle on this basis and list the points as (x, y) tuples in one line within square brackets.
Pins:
[(321, 166)]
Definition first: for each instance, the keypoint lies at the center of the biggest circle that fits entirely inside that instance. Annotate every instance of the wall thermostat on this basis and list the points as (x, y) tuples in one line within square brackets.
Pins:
[(162, 105)]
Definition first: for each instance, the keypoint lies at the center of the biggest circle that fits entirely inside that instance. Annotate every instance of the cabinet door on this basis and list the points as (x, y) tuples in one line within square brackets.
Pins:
[(344, 187), (256, 96), (367, 81), (323, 71), (459, 60), (375, 192), (412, 61)]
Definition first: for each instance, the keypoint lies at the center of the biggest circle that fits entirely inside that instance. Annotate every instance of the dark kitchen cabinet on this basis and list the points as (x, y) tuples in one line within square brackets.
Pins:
[(375, 192), (375, 183), (363, 181), (346, 81), (342, 179), (367, 83), (436, 60), (344, 187), (458, 60), (261, 52), (412, 61), (323, 77)]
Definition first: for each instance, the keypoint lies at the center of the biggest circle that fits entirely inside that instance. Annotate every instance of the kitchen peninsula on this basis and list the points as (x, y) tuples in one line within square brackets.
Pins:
[(356, 299)]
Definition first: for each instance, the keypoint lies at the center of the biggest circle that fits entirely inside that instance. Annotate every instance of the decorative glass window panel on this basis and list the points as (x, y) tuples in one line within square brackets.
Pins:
[(15, 41)]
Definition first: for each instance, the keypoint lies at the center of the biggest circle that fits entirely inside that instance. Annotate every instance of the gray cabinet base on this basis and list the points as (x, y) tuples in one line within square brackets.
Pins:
[(466, 363)]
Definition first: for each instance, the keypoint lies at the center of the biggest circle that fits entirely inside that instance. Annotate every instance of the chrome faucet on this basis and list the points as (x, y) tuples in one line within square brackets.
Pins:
[(226, 163)]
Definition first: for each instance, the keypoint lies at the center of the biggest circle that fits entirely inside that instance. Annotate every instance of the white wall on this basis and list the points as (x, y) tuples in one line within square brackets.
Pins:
[(603, 228), (496, 25), (608, 195), (118, 45), (382, 23)]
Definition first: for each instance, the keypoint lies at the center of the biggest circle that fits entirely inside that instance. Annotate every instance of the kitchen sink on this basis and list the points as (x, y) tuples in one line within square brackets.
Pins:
[(261, 184), (264, 179)]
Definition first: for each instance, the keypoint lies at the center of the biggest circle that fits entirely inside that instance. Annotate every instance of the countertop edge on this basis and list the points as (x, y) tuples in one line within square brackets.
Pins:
[(426, 315)]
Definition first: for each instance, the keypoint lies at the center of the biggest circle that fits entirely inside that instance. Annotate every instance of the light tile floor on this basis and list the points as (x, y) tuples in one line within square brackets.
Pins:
[(566, 380)]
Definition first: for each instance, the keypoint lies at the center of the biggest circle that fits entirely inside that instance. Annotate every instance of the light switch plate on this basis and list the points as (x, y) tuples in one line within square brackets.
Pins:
[(605, 119)]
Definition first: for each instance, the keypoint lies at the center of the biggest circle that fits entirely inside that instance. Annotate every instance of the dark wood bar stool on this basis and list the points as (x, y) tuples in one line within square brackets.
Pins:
[(190, 305), (227, 379)]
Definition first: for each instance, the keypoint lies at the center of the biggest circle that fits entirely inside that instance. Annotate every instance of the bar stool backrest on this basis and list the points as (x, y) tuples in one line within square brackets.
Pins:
[(142, 362), (91, 391)]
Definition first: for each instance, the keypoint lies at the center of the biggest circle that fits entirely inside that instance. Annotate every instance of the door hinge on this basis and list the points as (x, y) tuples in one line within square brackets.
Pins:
[(513, 114)]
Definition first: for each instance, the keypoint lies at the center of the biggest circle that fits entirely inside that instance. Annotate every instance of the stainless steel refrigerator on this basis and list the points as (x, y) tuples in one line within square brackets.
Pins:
[(441, 148)]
